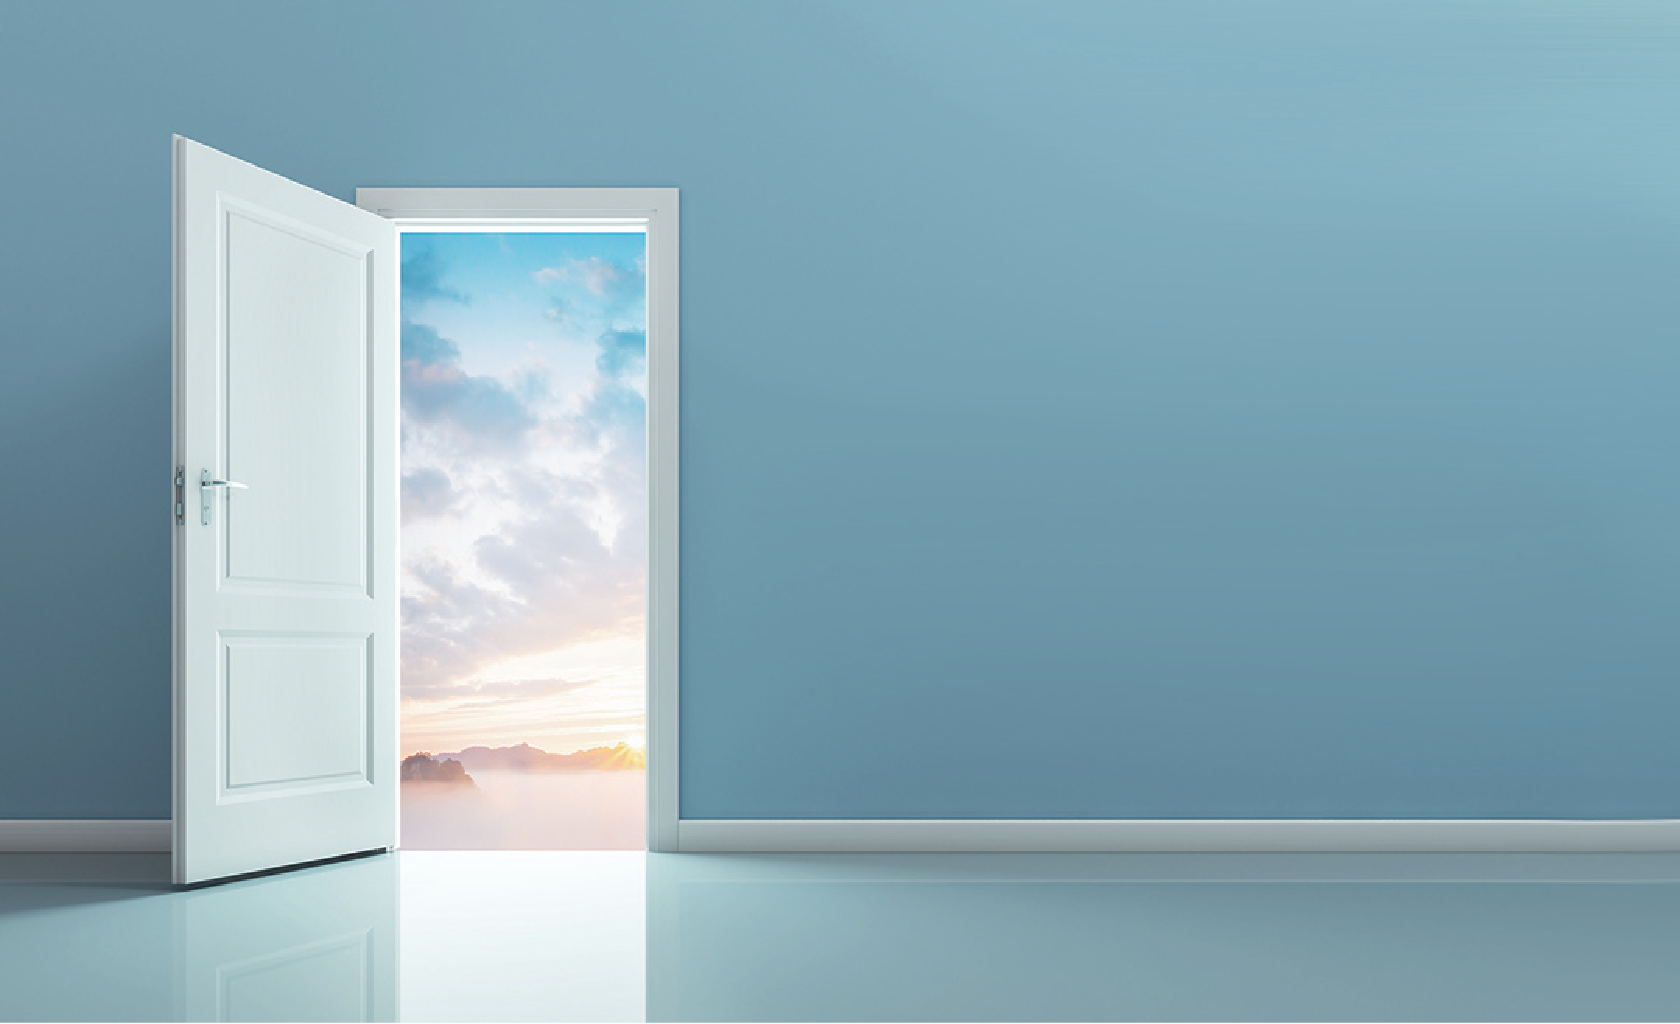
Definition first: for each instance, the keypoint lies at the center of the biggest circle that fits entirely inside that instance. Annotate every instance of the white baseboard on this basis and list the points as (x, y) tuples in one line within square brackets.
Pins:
[(1656, 835), (1175, 836), (98, 835)]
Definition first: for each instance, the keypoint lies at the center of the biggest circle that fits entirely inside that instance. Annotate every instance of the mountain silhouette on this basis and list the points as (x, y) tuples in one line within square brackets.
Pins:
[(422, 767), (526, 758)]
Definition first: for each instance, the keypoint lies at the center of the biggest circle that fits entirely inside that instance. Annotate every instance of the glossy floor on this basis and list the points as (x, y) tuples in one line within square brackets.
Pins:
[(630, 936)]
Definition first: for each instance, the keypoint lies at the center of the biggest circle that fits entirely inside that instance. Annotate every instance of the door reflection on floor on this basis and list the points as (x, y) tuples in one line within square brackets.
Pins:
[(498, 936), (318, 944), (105, 937)]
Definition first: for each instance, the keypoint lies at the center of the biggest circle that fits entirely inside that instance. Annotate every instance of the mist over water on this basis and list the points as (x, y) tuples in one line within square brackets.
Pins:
[(592, 810)]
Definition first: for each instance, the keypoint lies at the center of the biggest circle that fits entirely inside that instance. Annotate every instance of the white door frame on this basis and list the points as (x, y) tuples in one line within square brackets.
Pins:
[(653, 210)]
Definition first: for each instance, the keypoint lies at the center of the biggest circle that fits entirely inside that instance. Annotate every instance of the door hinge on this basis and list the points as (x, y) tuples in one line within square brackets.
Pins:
[(180, 495)]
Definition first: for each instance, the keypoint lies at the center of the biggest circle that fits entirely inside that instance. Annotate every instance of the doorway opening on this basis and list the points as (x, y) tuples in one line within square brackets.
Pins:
[(531, 466)]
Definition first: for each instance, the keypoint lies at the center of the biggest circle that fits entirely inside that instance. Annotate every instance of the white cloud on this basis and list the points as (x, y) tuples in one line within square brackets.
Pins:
[(527, 550), (603, 278)]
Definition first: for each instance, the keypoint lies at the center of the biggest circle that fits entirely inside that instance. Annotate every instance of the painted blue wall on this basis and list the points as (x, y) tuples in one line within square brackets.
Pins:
[(1089, 410)]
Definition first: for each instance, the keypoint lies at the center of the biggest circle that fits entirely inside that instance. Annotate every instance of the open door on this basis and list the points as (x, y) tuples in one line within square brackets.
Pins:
[(285, 555)]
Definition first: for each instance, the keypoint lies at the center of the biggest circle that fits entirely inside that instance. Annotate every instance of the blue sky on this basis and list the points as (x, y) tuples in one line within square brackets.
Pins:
[(524, 384)]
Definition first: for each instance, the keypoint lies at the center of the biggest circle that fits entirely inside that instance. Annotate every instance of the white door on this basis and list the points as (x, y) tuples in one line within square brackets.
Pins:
[(285, 587)]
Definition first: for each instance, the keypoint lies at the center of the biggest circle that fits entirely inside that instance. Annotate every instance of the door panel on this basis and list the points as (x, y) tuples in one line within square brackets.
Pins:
[(286, 598), (297, 710), (297, 347)]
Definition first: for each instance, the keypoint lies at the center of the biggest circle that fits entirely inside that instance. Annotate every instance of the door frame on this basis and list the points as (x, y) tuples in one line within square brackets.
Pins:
[(653, 210)]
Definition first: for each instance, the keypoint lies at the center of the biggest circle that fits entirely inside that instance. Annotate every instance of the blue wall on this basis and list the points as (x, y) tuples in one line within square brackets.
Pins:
[(1090, 410)]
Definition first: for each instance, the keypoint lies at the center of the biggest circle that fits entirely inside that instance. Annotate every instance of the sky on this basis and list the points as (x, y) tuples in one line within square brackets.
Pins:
[(524, 556)]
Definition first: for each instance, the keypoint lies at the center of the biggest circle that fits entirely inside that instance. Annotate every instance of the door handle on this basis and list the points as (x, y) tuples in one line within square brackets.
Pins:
[(205, 483)]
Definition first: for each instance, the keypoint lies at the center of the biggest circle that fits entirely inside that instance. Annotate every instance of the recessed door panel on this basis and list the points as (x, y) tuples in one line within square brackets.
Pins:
[(297, 712), (296, 350)]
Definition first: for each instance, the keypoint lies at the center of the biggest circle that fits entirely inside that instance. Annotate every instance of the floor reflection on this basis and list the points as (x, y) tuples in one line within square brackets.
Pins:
[(615, 936), (106, 938), (499, 936), (930, 937)]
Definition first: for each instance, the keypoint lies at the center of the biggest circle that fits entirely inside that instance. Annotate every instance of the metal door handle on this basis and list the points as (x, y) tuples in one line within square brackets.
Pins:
[(205, 482)]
